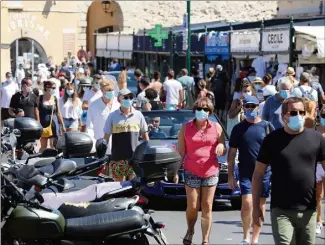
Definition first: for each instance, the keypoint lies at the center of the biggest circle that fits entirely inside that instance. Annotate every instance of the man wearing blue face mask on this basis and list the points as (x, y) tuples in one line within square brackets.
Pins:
[(90, 96), (124, 126), (292, 152), (247, 138), (273, 103)]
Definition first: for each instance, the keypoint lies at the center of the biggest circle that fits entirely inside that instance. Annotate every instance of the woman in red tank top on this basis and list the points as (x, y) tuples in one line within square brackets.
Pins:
[(200, 142)]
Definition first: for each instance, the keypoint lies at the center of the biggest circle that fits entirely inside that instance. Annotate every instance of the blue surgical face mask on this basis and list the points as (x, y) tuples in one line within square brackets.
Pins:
[(296, 122), (251, 114), (109, 95), (70, 92), (284, 93), (127, 103), (96, 86), (251, 78), (257, 87), (52, 91), (322, 122), (201, 115)]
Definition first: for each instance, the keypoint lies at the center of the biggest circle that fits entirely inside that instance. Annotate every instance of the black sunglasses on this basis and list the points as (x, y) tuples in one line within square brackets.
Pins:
[(295, 113), (250, 106), (204, 109), (128, 97)]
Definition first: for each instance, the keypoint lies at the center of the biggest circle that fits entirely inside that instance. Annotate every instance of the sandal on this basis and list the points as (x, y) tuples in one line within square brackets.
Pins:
[(187, 240), (205, 243)]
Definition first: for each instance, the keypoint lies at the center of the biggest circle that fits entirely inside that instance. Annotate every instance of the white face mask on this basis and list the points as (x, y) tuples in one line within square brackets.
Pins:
[(9, 80), (247, 94), (28, 89)]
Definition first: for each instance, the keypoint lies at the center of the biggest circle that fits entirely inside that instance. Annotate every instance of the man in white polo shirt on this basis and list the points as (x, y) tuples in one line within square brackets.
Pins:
[(174, 92)]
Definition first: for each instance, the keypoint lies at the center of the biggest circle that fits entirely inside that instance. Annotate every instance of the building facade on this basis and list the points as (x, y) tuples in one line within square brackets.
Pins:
[(33, 31)]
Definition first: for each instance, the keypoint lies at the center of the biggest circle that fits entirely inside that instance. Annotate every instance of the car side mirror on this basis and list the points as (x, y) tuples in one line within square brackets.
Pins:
[(49, 153)]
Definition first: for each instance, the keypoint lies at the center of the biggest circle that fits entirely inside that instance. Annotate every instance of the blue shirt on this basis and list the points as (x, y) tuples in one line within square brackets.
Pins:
[(271, 105), (248, 138), (186, 81)]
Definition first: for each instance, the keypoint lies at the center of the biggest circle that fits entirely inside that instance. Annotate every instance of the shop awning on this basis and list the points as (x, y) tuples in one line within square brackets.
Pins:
[(315, 34)]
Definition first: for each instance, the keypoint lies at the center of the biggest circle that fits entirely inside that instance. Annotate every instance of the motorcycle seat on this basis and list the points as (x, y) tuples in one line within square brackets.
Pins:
[(44, 162), (104, 225), (54, 166), (74, 210)]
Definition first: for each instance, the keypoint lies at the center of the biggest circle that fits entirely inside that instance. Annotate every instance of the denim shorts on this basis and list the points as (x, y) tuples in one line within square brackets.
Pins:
[(70, 123), (171, 107), (245, 184), (194, 181)]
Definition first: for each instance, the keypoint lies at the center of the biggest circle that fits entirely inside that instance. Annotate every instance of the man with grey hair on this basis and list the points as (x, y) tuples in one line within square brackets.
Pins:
[(274, 102)]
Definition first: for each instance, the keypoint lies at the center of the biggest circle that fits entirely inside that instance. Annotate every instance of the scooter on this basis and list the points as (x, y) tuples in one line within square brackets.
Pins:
[(28, 222)]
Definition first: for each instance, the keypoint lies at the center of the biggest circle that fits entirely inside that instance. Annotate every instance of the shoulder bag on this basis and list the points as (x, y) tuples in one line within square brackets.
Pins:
[(47, 132)]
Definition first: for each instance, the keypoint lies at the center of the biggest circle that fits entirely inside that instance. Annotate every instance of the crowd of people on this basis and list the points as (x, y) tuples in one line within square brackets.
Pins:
[(278, 129)]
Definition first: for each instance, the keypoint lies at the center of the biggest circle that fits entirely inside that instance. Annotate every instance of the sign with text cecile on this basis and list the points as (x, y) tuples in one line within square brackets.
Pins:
[(217, 43), (276, 40)]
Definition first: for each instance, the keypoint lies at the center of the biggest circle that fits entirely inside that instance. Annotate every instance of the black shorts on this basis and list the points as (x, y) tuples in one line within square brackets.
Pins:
[(5, 114)]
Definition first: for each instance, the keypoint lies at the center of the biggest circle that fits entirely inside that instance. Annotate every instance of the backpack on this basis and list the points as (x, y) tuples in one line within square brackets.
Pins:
[(307, 93)]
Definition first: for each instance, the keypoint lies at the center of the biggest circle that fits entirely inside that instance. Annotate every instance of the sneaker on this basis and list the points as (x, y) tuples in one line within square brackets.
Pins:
[(319, 227), (245, 242)]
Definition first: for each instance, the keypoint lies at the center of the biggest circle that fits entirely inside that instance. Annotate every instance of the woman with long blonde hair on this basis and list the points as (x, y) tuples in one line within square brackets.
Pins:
[(122, 80), (70, 106)]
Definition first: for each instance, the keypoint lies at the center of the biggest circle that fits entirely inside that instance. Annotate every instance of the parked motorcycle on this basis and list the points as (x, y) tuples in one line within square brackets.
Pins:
[(28, 222)]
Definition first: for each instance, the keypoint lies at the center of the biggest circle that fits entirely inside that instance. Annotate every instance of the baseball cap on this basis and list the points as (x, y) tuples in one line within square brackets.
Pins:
[(251, 100), (124, 92), (251, 70), (219, 67), (304, 76)]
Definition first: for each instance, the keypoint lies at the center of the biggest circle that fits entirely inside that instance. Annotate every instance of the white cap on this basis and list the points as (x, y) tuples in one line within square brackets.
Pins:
[(269, 90), (219, 67)]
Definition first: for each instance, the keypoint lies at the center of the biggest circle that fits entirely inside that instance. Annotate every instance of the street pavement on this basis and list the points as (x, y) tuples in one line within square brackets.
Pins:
[(226, 227)]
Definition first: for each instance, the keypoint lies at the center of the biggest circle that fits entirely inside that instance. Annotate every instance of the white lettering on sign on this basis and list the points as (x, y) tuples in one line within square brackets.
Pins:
[(25, 20), (275, 41)]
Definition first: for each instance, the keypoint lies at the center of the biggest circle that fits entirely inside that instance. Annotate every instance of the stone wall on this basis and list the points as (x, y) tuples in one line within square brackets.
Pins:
[(145, 14)]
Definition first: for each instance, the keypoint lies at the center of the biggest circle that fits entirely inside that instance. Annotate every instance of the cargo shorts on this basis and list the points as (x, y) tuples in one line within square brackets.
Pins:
[(121, 169)]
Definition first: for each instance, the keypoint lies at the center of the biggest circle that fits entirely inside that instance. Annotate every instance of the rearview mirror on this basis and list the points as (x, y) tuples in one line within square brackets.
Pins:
[(50, 152), (101, 148)]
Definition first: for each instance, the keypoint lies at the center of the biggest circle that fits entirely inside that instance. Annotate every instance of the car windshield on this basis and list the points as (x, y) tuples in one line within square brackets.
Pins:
[(166, 124), (131, 79)]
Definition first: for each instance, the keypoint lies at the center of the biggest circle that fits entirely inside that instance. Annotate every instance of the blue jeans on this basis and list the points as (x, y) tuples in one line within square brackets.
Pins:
[(70, 123)]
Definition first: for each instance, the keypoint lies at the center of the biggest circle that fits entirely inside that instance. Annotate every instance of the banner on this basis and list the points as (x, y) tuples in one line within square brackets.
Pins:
[(217, 43), (245, 42), (275, 40)]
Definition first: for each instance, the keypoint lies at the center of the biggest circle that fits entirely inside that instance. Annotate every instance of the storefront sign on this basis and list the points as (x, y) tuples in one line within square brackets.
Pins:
[(275, 40), (217, 43), (245, 42), (158, 34), (24, 21)]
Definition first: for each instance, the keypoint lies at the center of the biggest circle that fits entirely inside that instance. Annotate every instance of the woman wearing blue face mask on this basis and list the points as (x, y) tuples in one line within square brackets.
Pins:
[(48, 110), (70, 106), (258, 86), (200, 142)]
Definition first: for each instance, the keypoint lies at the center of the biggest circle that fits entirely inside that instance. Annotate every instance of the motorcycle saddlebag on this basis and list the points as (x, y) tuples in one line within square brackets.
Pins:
[(76, 144), (155, 160)]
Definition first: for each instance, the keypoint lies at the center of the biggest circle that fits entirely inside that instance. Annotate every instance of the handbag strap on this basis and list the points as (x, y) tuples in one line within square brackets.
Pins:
[(52, 111)]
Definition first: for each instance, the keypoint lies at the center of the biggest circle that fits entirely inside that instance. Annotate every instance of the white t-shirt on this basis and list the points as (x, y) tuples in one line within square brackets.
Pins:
[(7, 91), (91, 96), (307, 89), (172, 88), (98, 112), (68, 110)]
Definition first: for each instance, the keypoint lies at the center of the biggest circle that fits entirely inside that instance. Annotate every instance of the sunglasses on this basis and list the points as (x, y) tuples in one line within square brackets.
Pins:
[(128, 97), (250, 106), (295, 113), (204, 109), (156, 121)]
